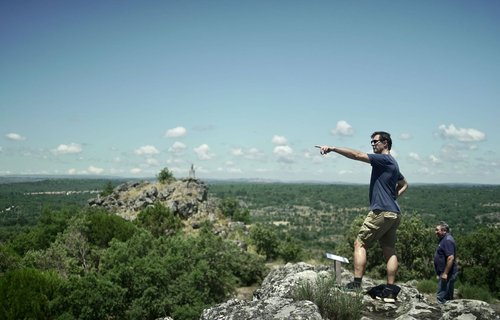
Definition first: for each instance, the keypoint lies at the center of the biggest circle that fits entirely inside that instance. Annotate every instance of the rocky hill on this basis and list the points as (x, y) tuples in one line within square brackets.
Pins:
[(185, 197)]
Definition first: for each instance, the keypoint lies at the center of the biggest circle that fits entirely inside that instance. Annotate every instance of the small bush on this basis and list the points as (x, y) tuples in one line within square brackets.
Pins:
[(333, 304), (231, 208), (265, 239), (107, 189), (159, 220), (165, 176), (427, 286), (474, 292), (290, 249)]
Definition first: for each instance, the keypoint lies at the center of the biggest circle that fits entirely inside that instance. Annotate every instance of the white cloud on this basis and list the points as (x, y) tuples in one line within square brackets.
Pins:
[(237, 152), (147, 150), (343, 129), (152, 161), (176, 132), (405, 136), (177, 147), (68, 149), (284, 153), (461, 134), (414, 156), (453, 153), (15, 136), (203, 152), (135, 170), (283, 150), (251, 154), (279, 140), (95, 170), (434, 159)]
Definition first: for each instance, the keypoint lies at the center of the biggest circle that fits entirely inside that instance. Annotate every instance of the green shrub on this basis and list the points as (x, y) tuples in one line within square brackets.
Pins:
[(90, 297), (45, 232), (265, 239), (475, 292), (28, 294), (231, 208), (9, 259), (479, 260), (102, 227), (165, 176), (107, 189), (159, 220), (427, 286), (333, 304), (291, 250)]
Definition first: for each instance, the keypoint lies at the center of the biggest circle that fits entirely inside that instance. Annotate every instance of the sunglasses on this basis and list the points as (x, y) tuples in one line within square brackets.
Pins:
[(374, 142)]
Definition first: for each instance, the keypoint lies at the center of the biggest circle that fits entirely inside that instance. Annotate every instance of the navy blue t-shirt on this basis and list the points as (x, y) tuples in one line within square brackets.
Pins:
[(385, 176), (446, 248)]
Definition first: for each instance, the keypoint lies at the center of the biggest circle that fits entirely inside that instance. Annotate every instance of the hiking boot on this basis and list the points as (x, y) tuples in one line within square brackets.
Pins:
[(389, 293), (353, 286)]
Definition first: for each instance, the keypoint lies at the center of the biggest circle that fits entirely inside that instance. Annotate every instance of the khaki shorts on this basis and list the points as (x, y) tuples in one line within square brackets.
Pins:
[(381, 226)]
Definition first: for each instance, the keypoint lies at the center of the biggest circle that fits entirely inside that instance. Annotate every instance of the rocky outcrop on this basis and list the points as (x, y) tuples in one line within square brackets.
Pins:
[(186, 197), (273, 301)]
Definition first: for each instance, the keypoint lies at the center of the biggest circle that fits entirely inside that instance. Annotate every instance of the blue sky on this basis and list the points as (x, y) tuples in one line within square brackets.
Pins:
[(245, 89)]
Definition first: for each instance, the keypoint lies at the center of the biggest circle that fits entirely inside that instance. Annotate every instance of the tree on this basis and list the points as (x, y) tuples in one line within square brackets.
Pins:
[(90, 297), (9, 259), (231, 208), (28, 294), (107, 189), (265, 239), (159, 220), (165, 176), (290, 249), (479, 258)]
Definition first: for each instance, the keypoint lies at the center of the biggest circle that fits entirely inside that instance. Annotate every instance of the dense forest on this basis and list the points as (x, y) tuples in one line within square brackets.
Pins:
[(321, 212), (60, 259)]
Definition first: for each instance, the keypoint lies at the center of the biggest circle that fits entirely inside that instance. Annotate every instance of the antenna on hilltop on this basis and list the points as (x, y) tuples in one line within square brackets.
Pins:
[(191, 172)]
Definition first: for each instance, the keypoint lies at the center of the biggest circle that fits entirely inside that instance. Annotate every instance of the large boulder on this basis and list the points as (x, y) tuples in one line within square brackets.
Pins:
[(273, 301)]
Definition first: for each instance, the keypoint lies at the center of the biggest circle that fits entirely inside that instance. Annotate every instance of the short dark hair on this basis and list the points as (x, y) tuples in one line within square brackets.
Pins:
[(444, 226), (384, 136)]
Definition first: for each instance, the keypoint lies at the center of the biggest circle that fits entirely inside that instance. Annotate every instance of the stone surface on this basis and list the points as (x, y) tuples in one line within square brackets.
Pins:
[(273, 301)]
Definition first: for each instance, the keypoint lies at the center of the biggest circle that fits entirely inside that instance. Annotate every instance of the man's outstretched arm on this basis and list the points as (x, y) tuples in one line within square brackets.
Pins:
[(346, 152), (401, 187)]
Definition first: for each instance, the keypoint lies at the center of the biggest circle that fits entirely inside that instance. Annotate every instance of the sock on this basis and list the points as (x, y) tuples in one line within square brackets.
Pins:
[(358, 280)]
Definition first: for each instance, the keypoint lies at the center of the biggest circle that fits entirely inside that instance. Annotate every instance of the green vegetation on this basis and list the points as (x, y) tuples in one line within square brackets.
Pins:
[(107, 189), (326, 218), (160, 221), (165, 176), (427, 286), (96, 265), (475, 292), (231, 208), (71, 261), (332, 302), (480, 258)]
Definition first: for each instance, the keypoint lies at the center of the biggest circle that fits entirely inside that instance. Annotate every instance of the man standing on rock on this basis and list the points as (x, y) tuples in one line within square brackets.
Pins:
[(386, 184), (444, 263)]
